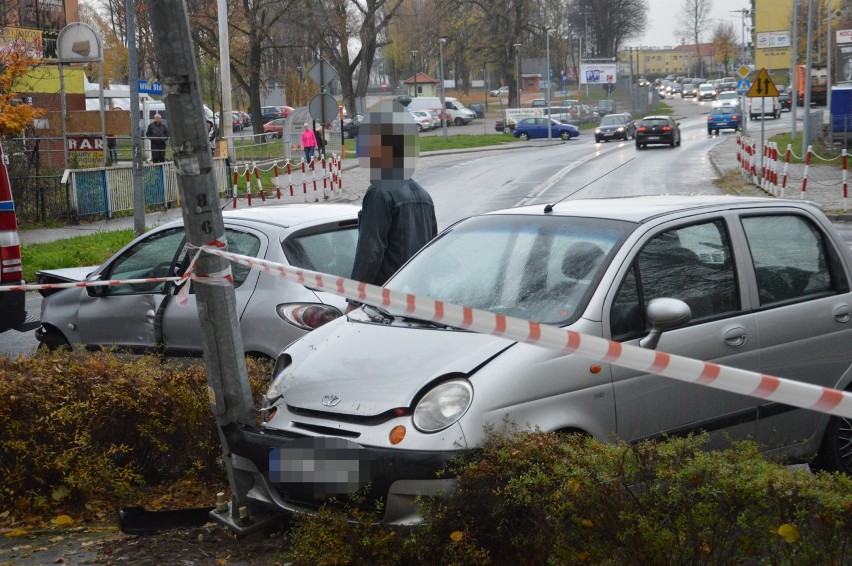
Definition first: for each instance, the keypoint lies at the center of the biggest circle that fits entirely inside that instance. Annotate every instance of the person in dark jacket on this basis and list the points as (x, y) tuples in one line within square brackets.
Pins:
[(158, 133), (318, 134), (397, 215)]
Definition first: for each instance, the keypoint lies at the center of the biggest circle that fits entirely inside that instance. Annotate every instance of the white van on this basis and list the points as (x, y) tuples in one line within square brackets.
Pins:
[(763, 107), (457, 111)]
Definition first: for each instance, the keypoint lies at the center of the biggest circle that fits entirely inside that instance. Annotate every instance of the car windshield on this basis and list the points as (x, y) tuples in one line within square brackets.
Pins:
[(540, 268), (612, 120)]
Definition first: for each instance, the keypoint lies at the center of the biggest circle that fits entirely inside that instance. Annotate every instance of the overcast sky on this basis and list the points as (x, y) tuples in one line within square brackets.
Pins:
[(663, 18)]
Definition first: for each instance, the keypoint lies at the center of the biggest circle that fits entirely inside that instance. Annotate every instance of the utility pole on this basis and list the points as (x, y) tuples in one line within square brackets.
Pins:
[(226, 125), (547, 97), (441, 42), (794, 78), (137, 178), (224, 358), (517, 47), (808, 62)]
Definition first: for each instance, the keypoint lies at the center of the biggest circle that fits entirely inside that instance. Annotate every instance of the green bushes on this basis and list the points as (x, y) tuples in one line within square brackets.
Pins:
[(101, 427), (551, 499)]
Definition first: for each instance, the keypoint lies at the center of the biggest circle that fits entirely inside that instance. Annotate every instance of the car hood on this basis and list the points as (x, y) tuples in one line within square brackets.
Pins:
[(374, 368), (65, 275), (612, 127)]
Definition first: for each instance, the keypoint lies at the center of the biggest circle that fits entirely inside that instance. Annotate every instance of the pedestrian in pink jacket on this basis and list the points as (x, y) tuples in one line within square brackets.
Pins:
[(309, 142)]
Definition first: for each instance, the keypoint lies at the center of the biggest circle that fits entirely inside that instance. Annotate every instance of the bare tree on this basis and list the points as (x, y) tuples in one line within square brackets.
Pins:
[(724, 43), (608, 24), (693, 18)]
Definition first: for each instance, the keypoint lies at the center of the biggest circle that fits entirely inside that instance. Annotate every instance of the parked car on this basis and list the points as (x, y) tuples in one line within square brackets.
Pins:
[(274, 129), (502, 91), (350, 127), (273, 112), (236, 121), (724, 118), (435, 117), (504, 126), (657, 130), (147, 317), (529, 128), (705, 277), (422, 119), (539, 103), (12, 305), (478, 108), (615, 127)]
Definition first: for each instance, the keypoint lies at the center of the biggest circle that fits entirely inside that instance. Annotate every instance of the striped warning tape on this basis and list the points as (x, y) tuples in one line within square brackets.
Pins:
[(735, 380)]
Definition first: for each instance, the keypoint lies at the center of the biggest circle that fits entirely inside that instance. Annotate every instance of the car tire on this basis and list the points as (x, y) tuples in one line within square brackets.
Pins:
[(524, 136), (638, 145), (52, 340), (831, 457), (597, 139), (709, 132), (565, 136), (507, 130), (678, 142), (458, 122), (419, 128)]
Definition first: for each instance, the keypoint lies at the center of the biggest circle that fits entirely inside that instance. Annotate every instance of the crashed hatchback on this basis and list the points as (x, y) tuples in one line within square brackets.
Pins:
[(382, 401)]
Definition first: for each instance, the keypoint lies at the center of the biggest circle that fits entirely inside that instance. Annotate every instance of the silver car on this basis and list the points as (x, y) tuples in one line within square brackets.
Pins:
[(147, 317), (760, 284)]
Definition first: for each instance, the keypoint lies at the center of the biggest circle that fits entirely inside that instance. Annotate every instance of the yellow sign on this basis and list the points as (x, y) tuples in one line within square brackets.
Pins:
[(743, 72), (762, 86)]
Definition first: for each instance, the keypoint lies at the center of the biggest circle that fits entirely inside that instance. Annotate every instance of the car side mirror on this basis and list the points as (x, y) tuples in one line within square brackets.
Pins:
[(664, 314), (98, 291)]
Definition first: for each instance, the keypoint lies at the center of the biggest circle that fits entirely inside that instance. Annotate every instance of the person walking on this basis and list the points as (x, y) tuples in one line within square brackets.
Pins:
[(397, 215), (212, 134), (158, 133), (318, 135), (309, 142)]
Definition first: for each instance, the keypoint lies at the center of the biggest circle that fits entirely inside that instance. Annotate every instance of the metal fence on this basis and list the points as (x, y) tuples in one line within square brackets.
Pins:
[(35, 171)]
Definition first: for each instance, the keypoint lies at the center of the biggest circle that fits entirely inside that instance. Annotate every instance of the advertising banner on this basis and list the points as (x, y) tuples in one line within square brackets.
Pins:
[(86, 152), (843, 36), (843, 68), (597, 73)]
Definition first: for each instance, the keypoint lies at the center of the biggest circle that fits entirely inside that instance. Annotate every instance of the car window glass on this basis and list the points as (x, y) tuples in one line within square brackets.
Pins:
[(542, 269), (242, 243), (152, 257), (789, 258), (693, 264), (331, 252)]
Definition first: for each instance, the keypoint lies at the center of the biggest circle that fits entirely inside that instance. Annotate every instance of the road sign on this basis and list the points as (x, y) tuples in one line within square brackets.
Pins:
[(743, 72), (762, 86), (323, 108), (322, 72), (152, 87), (743, 85)]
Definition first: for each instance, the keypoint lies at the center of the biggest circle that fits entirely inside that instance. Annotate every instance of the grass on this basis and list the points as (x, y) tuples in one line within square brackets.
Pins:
[(93, 249), (819, 146)]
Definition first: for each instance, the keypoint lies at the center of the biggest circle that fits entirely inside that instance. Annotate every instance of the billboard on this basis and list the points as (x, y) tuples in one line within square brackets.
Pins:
[(843, 68), (597, 73)]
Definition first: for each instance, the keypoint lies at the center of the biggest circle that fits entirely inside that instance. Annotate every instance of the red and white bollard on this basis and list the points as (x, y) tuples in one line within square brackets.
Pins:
[(290, 178), (305, 180), (248, 185), (786, 165), (259, 184), (275, 180), (314, 175), (236, 181), (805, 176)]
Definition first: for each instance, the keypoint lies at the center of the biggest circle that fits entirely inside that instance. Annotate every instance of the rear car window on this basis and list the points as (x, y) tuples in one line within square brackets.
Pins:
[(331, 252), (655, 122)]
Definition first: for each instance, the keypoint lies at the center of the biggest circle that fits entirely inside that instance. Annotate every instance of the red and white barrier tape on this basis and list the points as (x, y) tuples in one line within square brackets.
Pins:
[(726, 378)]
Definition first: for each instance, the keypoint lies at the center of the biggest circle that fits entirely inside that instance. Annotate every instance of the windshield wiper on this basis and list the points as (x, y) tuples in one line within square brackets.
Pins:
[(385, 316), (422, 322)]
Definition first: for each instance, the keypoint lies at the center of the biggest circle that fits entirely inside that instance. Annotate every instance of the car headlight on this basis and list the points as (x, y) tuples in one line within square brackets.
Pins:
[(621, 129), (597, 130), (443, 405)]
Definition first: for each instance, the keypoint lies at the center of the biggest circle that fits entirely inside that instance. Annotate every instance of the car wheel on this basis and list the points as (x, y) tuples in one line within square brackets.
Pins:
[(678, 142), (834, 454), (507, 130), (638, 145), (52, 340), (709, 132), (565, 136), (419, 128), (597, 139), (524, 136), (458, 122)]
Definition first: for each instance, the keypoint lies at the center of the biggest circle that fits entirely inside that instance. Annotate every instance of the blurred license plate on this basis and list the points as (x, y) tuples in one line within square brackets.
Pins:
[(653, 138), (331, 465)]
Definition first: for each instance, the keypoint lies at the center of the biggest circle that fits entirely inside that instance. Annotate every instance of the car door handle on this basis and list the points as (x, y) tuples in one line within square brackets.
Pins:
[(842, 313), (736, 337)]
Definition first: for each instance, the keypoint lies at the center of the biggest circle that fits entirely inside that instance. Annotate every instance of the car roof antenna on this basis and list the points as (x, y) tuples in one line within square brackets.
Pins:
[(548, 208)]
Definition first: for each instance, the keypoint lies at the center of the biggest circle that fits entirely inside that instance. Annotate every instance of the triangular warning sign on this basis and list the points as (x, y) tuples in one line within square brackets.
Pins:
[(762, 86)]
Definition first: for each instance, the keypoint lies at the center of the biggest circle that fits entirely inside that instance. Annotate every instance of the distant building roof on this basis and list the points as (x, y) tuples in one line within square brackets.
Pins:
[(420, 78)]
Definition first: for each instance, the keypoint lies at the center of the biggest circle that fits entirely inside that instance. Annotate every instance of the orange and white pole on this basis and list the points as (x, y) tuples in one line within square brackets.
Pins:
[(807, 166)]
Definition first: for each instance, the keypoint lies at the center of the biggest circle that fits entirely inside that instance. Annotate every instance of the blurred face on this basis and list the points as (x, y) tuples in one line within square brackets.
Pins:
[(156, 117), (388, 143)]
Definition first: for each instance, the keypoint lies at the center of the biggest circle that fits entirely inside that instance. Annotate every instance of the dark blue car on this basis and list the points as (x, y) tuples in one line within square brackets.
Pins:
[(529, 128), (724, 118)]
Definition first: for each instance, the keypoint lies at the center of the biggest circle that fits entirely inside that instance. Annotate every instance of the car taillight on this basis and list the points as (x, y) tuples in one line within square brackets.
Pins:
[(667, 128), (641, 129), (709, 118)]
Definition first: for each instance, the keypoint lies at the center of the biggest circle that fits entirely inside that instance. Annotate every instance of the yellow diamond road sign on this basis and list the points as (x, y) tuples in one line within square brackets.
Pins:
[(743, 72), (762, 86)]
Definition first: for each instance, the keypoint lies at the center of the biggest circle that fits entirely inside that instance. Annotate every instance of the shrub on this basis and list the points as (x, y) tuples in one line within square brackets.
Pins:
[(546, 498), (80, 427)]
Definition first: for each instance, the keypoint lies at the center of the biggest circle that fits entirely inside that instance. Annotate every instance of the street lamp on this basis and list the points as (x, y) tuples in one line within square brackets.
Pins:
[(517, 47), (743, 13), (547, 93), (414, 59), (441, 42)]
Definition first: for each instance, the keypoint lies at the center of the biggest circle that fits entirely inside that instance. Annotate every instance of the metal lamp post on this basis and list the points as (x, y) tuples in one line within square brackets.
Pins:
[(441, 42), (547, 93), (517, 47), (414, 59)]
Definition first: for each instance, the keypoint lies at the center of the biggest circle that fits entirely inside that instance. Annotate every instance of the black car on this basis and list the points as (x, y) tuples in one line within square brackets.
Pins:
[(657, 130), (350, 127), (785, 100), (477, 108)]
